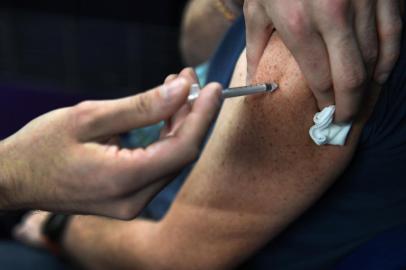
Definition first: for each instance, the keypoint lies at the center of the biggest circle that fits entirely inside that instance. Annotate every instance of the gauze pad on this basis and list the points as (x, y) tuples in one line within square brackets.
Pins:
[(325, 131)]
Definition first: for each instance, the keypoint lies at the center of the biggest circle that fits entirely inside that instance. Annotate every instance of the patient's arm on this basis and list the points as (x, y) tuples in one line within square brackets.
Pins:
[(258, 173)]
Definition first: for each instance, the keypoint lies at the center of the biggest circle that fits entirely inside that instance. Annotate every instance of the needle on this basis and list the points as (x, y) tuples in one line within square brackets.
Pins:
[(236, 91)]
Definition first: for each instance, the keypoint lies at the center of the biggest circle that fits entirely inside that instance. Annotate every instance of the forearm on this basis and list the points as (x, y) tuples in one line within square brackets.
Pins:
[(101, 243)]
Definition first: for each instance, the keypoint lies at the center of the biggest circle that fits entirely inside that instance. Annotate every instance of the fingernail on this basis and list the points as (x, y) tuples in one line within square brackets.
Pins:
[(173, 88), (216, 89), (383, 78)]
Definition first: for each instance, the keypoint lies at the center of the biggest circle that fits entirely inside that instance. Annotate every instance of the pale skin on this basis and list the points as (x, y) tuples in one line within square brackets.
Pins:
[(257, 174), (70, 159)]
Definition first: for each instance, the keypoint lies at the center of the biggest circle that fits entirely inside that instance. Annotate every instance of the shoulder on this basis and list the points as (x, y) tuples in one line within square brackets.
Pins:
[(261, 144), (278, 123)]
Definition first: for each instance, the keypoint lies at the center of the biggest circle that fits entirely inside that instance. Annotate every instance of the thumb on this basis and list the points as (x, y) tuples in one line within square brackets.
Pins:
[(121, 115)]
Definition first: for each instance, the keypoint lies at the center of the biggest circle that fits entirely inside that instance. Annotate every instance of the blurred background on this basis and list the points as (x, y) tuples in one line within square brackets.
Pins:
[(55, 53), (103, 47)]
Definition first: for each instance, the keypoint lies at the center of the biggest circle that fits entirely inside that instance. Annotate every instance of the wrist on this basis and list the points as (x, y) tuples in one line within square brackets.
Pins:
[(7, 177), (54, 231), (15, 192)]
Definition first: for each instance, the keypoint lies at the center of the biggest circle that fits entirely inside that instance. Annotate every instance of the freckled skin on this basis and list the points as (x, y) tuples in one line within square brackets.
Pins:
[(260, 169)]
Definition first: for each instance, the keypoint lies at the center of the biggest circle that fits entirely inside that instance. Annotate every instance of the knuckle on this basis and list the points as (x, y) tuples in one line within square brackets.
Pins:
[(141, 103), (84, 113), (335, 11), (355, 80), (336, 8), (324, 87), (170, 77), (297, 23), (322, 84), (393, 30)]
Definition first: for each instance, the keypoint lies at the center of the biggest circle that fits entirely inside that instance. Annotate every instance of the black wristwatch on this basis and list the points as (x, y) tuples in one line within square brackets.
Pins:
[(54, 227)]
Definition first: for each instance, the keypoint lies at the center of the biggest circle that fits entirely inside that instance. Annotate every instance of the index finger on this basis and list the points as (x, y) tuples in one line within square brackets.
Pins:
[(348, 69), (258, 31)]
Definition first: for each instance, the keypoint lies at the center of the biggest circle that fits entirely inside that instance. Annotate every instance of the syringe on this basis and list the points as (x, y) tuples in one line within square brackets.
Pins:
[(236, 91)]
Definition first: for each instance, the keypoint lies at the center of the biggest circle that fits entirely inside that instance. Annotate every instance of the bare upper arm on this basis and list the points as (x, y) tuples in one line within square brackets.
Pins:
[(258, 172)]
